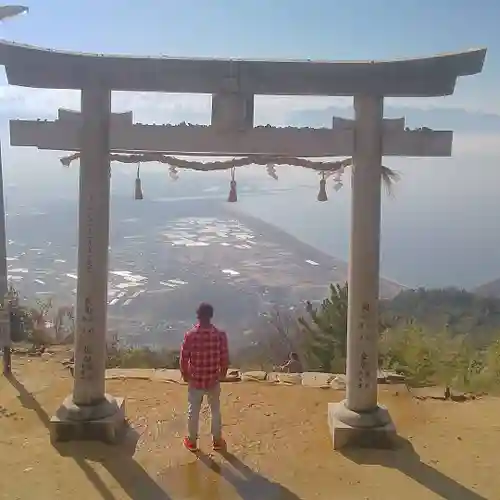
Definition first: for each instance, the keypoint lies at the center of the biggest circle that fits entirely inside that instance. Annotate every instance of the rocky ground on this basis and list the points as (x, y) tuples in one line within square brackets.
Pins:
[(279, 446)]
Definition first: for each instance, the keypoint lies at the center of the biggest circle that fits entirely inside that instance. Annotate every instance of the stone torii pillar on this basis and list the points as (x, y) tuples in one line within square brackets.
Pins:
[(90, 413), (358, 419)]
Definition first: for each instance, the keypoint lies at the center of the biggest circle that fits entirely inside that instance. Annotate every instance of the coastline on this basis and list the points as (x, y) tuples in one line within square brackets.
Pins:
[(388, 287)]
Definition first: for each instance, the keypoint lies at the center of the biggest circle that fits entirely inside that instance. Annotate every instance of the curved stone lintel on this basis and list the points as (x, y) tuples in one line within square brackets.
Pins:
[(431, 76)]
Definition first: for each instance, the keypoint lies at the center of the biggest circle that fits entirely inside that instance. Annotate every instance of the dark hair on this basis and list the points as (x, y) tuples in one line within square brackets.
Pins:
[(205, 311), (294, 356)]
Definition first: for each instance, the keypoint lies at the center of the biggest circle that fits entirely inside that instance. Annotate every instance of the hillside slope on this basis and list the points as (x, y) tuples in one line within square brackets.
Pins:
[(458, 311), (490, 289)]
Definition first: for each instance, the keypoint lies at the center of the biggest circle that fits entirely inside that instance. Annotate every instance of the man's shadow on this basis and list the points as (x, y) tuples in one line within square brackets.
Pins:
[(405, 459), (117, 459), (248, 484)]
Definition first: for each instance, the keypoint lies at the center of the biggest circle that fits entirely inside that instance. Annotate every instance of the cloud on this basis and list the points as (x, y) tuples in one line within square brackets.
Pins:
[(476, 132), (20, 102), (484, 145)]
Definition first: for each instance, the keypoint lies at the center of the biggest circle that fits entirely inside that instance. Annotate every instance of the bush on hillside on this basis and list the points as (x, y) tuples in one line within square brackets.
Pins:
[(409, 352), (42, 324), (325, 332), (142, 357), (429, 358), (278, 334), (423, 354), (487, 378), (458, 311)]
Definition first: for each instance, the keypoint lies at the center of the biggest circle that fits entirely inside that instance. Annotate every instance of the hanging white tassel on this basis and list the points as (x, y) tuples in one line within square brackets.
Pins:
[(337, 179), (271, 171), (173, 173)]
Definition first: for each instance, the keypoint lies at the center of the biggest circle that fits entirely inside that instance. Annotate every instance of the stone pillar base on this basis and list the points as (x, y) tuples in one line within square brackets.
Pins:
[(102, 422), (363, 430)]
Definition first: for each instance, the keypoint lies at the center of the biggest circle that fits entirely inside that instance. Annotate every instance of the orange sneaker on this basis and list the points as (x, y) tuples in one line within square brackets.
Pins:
[(190, 445), (219, 444)]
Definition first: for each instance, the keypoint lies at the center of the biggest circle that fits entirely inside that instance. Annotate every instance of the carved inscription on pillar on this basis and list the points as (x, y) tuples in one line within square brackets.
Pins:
[(365, 334), (90, 234), (86, 323), (86, 333), (363, 375)]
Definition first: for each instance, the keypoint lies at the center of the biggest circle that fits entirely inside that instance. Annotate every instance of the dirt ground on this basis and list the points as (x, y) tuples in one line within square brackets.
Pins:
[(279, 446)]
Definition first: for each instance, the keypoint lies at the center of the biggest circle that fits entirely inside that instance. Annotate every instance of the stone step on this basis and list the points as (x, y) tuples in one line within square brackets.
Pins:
[(323, 380)]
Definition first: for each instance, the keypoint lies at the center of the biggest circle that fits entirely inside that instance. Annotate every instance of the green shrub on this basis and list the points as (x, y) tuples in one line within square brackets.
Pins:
[(410, 352), (425, 355), (325, 332)]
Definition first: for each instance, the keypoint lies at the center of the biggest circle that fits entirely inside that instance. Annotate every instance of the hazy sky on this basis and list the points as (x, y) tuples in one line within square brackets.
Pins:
[(314, 29)]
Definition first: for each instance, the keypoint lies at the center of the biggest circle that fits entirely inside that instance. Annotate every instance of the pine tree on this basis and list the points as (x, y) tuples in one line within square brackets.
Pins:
[(325, 331)]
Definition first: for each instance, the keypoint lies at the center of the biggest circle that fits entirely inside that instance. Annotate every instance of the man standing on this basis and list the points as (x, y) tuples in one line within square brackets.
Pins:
[(204, 362)]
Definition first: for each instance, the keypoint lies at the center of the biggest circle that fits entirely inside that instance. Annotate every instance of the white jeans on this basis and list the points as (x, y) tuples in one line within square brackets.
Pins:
[(195, 399)]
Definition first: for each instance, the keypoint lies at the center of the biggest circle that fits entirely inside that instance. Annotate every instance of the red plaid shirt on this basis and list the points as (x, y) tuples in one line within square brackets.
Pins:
[(204, 356)]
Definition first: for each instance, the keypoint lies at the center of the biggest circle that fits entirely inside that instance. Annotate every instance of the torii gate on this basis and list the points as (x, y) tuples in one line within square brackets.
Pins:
[(89, 411)]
